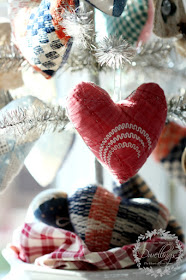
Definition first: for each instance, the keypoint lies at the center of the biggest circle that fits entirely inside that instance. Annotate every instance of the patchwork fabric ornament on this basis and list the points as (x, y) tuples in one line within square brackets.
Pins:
[(51, 208), (169, 150), (104, 221), (169, 18), (136, 187), (122, 135), (39, 33), (136, 22), (110, 7), (13, 150)]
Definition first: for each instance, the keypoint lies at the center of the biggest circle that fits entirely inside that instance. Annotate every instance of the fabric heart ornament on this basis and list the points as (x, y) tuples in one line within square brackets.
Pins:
[(136, 187), (169, 18), (104, 221), (136, 22), (39, 34), (122, 135), (169, 150)]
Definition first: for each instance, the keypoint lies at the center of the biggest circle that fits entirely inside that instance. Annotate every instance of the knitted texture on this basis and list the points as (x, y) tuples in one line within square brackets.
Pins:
[(130, 24), (121, 136), (167, 18), (136, 187), (110, 7), (39, 34), (104, 221), (169, 150), (13, 150)]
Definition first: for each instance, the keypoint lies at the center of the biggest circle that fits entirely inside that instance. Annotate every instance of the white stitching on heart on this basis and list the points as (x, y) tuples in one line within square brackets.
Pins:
[(121, 127), (121, 146), (120, 137)]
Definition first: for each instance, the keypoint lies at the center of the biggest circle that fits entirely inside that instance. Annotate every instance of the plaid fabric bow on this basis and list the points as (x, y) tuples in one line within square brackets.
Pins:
[(57, 248)]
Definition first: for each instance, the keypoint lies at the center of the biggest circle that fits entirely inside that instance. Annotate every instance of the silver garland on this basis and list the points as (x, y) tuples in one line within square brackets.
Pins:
[(78, 24), (43, 120), (114, 52)]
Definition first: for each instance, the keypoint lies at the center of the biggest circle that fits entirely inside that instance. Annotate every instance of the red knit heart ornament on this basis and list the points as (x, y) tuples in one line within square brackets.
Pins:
[(121, 136)]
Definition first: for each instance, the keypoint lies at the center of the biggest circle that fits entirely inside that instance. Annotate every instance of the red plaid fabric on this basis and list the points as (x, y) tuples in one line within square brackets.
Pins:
[(57, 248)]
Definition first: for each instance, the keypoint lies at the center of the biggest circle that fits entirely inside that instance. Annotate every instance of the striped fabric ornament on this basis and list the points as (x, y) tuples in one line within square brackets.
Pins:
[(39, 34), (132, 21), (110, 7), (136, 187), (104, 221), (121, 135), (169, 150)]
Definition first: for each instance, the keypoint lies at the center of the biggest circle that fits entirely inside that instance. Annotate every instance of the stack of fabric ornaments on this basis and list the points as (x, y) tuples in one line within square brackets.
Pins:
[(92, 229)]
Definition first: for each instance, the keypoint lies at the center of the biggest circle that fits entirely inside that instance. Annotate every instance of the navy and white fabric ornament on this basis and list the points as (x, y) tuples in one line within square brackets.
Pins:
[(104, 221), (38, 32), (51, 208), (136, 187)]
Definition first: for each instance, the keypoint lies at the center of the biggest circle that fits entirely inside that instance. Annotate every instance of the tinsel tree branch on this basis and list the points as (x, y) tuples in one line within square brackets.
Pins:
[(152, 52), (78, 61), (10, 58), (114, 52), (177, 109), (43, 120), (79, 25)]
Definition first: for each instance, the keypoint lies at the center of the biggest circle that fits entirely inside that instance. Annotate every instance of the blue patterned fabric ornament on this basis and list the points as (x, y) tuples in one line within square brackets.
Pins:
[(39, 33)]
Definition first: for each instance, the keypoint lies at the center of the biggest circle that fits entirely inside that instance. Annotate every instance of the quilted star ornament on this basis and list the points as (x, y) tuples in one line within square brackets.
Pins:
[(136, 22), (39, 34), (121, 135), (104, 221), (13, 149), (169, 18), (136, 187), (110, 7), (169, 151)]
